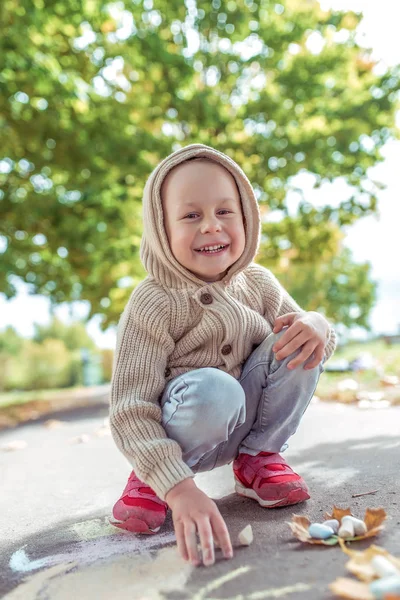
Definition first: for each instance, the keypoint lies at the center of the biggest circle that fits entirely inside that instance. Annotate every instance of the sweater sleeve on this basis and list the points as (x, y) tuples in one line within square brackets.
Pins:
[(279, 302), (143, 346)]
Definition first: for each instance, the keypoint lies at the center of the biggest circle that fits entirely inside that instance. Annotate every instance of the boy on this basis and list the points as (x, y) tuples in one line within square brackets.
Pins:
[(215, 362)]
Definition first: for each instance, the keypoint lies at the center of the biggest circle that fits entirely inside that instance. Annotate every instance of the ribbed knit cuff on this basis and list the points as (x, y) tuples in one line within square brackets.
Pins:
[(330, 345), (168, 474)]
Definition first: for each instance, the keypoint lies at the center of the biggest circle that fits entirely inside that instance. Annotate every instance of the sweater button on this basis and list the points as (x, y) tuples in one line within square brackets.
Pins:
[(206, 298), (226, 350)]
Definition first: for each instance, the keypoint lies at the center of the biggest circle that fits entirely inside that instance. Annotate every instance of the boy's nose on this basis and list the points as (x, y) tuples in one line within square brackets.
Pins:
[(211, 226)]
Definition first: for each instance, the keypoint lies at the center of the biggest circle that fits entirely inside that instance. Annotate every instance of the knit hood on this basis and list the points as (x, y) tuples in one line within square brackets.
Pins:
[(155, 252)]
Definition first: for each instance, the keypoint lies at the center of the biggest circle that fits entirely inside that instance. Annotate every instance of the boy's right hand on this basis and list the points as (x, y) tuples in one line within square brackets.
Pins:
[(193, 513)]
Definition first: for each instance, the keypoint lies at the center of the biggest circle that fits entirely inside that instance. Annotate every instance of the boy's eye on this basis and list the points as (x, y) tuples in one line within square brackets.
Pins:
[(193, 215), (223, 211)]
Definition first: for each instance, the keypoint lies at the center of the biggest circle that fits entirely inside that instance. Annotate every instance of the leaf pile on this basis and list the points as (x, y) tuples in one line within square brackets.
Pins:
[(360, 566)]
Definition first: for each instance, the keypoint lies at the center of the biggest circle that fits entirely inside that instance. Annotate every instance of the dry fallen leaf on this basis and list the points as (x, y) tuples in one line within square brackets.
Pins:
[(389, 380), (360, 566), (350, 589), (338, 513), (360, 561), (373, 519)]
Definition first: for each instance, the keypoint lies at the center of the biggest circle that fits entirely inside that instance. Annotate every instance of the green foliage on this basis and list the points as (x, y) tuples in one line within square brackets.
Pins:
[(94, 94), (107, 359), (52, 359), (10, 347), (338, 286), (74, 336), (10, 342), (36, 366), (44, 365)]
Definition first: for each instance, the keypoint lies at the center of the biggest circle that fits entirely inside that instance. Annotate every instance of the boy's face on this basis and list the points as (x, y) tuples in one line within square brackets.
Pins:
[(202, 209)]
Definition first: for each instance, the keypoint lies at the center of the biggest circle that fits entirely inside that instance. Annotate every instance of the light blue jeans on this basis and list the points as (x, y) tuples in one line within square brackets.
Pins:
[(214, 416)]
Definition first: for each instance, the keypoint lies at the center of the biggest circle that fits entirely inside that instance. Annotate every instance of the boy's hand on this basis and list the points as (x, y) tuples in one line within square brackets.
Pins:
[(193, 513), (308, 331)]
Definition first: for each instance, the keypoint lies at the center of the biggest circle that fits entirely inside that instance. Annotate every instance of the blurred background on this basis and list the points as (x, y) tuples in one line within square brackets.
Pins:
[(304, 95)]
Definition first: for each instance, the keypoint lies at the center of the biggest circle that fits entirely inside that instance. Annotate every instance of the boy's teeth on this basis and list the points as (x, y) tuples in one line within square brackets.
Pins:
[(206, 248)]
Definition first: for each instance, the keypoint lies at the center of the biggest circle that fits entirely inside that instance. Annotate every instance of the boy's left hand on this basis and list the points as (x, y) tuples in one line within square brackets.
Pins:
[(308, 331)]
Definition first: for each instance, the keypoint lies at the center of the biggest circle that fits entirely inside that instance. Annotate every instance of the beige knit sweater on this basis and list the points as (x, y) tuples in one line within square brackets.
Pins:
[(175, 322)]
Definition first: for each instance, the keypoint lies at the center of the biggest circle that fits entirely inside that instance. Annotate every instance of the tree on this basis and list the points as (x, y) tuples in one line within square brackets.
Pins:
[(11, 345), (74, 336), (93, 95), (43, 366), (10, 342), (51, 359), (336, 284)]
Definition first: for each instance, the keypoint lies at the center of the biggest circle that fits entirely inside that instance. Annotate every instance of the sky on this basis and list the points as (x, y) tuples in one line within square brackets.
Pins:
[(375, 239)]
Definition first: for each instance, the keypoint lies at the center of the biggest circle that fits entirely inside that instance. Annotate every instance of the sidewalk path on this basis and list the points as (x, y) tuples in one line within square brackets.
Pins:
[(56, 495)]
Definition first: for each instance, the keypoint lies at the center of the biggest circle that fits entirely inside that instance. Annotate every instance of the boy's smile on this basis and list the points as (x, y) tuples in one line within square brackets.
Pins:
[(203, 218)]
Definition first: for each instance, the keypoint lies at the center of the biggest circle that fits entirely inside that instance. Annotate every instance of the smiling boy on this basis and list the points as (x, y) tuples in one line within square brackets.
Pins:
[(215, 362), (203, 218)]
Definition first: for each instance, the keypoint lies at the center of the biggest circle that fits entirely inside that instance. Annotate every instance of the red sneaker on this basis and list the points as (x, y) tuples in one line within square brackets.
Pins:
[(139, 510), (268, 479)]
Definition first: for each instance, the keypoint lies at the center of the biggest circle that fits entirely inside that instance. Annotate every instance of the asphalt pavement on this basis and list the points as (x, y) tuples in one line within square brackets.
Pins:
[(59, 484)]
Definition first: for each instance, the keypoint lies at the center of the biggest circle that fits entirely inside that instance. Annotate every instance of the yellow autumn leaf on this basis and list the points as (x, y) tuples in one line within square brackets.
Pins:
[(299, 527), (338, 513), (374, 517), (360, 561), (302, 521), (350, 589)]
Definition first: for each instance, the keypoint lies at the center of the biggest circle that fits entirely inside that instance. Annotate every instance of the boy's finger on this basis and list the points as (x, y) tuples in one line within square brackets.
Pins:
[(318, 356), (222, 536), (180, 540), (191, 542), (291, 346), (289, 334), (304, 355), (206, 541), (283, 321)]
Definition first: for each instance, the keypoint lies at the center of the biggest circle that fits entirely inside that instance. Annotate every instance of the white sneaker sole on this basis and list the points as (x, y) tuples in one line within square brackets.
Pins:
[(133, 525), (249, 493), (295, 496)]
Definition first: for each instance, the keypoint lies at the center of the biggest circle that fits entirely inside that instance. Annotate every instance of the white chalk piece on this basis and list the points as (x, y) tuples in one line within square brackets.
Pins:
[(333, 523), (320, 532), (245, 537), (388, 585), (359, 526), (383, 567), (346, 530)]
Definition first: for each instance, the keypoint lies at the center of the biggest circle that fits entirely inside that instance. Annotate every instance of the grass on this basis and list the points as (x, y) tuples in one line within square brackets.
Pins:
[(387, 362), (387, 356)]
